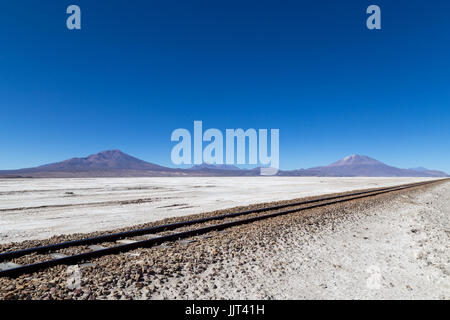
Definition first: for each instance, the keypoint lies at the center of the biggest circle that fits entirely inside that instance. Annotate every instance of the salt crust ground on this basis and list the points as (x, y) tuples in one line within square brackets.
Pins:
[(393, 246), (398, 249), (41, 208)]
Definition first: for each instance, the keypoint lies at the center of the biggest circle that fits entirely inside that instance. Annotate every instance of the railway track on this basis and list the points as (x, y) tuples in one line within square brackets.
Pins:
[(200, 226)]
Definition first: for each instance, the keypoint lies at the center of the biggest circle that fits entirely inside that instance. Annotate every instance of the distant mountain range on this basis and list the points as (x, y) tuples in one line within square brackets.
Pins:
[(114, 163), (111, 163), (362, 166)]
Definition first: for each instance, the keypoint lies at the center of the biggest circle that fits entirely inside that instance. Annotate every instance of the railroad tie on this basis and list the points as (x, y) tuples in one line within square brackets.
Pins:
[(125, 241), (58, 255), (8, 265), (95, 247)]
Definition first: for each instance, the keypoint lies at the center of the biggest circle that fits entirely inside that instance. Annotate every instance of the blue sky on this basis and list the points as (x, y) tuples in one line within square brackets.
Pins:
[(140, 69)]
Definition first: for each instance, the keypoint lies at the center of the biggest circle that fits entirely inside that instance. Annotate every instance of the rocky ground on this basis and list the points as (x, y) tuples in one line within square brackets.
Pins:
[(389, 246)]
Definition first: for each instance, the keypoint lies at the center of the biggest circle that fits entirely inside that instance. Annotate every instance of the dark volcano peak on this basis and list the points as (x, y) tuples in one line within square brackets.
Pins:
[(105, 160), (356, 159)]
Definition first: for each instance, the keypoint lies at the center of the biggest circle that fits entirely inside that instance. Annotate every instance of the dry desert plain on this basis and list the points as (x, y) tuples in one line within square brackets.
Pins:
[(41, 208), (393, 246)]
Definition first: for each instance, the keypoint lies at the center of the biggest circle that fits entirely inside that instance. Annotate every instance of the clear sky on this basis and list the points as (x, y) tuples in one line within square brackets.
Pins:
[(140, 69)]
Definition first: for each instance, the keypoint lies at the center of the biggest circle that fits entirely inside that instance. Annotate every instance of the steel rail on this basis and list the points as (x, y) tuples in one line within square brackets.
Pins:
[(15, 272), (172, 226)]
